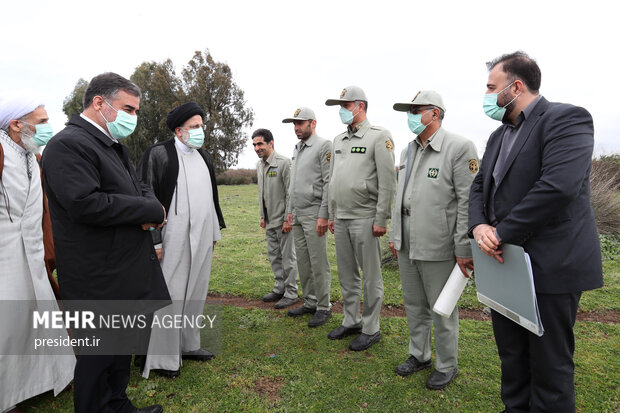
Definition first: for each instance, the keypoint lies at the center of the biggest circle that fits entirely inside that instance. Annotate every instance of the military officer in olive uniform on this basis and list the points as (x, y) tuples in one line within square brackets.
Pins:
[(273, 173), (361, 189), (429, 231), (308, 214)]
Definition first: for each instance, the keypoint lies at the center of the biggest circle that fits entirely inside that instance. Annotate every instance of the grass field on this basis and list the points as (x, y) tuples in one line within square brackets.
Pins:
[(271, 362), (241, 266)]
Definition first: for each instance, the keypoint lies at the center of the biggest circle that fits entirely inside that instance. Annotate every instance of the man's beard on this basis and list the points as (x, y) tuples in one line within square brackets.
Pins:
[(305, 134), (510, 107), (29, 145)]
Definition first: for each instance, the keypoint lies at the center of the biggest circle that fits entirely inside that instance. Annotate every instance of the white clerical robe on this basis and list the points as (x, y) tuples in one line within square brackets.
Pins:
[(187, 245), (24, 286)]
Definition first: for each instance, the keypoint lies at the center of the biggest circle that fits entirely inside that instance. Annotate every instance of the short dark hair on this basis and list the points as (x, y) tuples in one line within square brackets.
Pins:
[(107, 86), (265, 133), (519, 65)]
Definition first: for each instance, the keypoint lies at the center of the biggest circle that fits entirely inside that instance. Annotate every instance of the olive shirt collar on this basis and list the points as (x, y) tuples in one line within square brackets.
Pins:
[(309, 142), (435, 141), (359, 130), (271, 160)]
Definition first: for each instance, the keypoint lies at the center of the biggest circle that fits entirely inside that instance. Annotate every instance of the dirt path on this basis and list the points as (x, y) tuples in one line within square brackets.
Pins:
[(609, 317)]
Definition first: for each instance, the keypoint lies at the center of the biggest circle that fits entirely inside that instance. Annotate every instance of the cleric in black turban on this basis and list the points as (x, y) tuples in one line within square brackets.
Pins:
[(177, 116)]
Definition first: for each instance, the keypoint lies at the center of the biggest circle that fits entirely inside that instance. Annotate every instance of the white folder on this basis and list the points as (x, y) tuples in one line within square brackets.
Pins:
[(508, 288)]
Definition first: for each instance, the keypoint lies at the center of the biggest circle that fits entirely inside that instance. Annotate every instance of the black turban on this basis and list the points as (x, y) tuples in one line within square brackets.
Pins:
[(177, 116)]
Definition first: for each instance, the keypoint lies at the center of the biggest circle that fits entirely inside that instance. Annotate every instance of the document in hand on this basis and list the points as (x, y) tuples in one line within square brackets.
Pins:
[(508, 288), (451, 292)]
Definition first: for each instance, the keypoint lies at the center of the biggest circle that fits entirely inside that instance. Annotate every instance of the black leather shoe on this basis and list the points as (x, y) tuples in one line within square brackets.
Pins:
[(169, 374), (320, 318), (439, 381), (342, 332), (364, 341), (271, 297), (200, 355), (285, 302), (296, 312), (156, 408), (411, 365)]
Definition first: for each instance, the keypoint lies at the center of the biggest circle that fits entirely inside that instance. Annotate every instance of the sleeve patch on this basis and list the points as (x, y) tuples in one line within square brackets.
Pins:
[(473, 166)]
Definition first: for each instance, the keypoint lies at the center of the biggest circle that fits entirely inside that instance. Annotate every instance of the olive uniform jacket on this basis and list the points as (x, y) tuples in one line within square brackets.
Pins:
[(440, 196)]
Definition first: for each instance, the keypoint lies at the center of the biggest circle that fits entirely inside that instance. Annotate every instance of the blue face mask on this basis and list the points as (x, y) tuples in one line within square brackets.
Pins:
[(123, 125), (346, 116), (43, 135), (196, 138), (489, 104), (415, 122)]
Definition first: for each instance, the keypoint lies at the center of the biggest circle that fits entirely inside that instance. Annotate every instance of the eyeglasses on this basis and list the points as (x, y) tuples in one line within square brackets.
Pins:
[(203, 127), (416, 110)]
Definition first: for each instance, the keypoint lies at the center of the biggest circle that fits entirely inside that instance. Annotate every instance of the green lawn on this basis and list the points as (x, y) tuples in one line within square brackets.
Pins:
[(277, 363), (241, 266), (274, 362)]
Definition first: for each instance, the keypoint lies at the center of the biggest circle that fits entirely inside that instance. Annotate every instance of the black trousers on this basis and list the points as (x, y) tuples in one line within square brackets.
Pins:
[(99, 384), (538, 372)]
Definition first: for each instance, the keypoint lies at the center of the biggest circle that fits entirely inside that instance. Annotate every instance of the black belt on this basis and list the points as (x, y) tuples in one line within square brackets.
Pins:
[(405, 211)]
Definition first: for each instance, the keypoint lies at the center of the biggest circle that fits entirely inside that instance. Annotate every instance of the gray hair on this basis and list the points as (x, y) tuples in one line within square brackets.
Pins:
[(357, 102)]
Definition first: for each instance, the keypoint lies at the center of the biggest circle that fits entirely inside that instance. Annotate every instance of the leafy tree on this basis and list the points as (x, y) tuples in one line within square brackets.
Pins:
[(203, 80), (161, 92), (210, 84), (72, 105)]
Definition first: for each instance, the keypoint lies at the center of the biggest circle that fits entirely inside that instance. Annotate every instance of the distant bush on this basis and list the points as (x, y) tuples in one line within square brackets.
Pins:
[(605, 193), (611, 163), (237, 177)]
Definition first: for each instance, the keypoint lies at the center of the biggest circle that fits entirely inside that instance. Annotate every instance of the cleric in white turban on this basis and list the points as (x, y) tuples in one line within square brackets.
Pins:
[(24, 286)]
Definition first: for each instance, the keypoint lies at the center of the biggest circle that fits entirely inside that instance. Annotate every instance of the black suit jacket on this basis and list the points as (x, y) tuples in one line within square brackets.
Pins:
[(542, 197), (97, 205)]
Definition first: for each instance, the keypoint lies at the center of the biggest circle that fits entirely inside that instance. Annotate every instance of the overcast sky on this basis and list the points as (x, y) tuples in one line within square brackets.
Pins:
[(286, 54)]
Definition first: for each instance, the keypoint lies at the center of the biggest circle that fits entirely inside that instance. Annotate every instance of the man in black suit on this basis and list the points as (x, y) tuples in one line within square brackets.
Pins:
[(101, 215), (533, 190)]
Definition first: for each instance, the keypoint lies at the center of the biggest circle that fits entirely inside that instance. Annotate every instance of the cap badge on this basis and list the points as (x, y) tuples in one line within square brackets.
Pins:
[(344, 92), (297, 113)]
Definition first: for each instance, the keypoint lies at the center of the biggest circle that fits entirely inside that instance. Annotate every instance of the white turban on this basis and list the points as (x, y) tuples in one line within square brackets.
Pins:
[(16, 105)]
